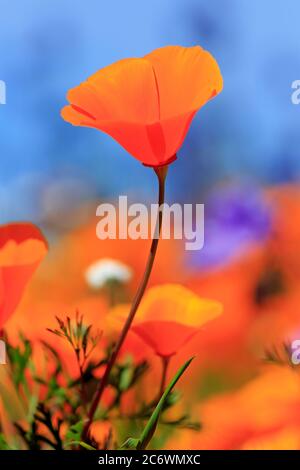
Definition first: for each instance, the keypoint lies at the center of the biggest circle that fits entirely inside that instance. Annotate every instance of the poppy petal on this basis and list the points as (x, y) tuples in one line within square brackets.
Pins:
[(22, 247), (164, 337), (173, 302), (123, 92), (187, 78), (169, 316)]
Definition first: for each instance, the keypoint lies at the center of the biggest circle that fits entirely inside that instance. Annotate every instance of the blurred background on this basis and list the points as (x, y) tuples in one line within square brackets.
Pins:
[(250, 133)]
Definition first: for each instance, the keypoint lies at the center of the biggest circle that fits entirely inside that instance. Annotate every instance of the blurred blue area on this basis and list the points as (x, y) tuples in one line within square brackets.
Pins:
[(250, 131)]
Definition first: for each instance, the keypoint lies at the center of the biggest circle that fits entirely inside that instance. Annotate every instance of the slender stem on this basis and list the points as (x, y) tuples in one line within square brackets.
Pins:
[(161, 173), (82, 383), (165, 360)]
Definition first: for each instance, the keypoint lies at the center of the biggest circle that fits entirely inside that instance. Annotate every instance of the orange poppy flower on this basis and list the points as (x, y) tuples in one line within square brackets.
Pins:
[(169, 316), (22, 247), (147, 104)]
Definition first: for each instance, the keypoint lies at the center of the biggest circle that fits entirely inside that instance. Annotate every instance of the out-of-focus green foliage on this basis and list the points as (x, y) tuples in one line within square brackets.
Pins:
[(55, 406)]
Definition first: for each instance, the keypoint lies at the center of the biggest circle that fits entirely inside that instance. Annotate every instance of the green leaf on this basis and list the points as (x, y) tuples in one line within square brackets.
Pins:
[(131, 443), (19, 358), (149, 430), (3, 443), (74, 432), (80, 443), (126, 377)]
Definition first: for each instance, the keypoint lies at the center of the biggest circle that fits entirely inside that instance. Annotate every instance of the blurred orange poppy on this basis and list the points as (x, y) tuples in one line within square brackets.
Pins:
[(268, 404), (60, 288), (147, 104), (22, 247), (169, 316), (286, 438)]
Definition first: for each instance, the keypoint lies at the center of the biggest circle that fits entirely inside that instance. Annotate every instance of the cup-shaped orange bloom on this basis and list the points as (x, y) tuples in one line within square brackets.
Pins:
[(169, 316), (147, 104), (22, 247)]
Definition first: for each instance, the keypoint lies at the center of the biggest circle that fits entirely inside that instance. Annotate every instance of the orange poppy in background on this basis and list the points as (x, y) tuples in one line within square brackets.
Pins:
[(60, 286), (262, 414), (147, 104), (169, 316), (22, 247)]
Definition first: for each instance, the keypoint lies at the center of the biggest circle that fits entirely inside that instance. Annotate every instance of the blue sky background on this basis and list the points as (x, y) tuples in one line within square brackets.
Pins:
[(250, 132)]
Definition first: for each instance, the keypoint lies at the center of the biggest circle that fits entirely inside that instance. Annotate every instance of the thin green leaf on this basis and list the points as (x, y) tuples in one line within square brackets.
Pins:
[(150, 427), (80, 443), (149, 430)]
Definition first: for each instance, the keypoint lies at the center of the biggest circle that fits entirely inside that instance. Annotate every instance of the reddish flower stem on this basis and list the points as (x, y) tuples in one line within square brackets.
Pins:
[(161, 173), (165, 361)]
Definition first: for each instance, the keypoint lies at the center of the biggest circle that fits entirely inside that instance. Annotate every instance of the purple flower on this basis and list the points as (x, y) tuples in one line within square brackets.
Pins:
[(235, 218)]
